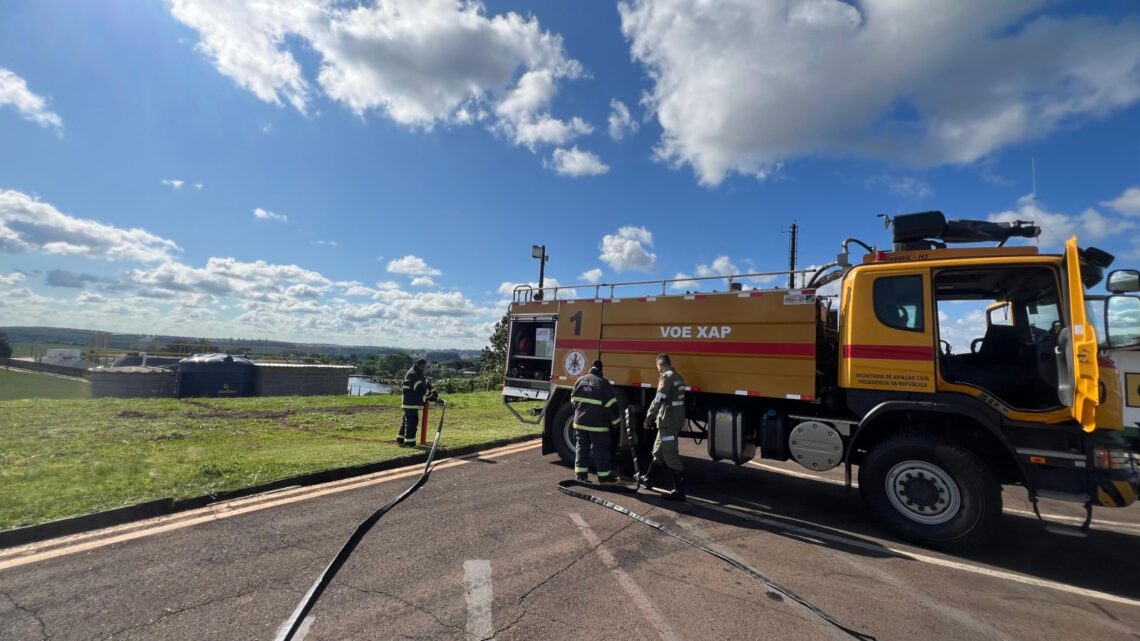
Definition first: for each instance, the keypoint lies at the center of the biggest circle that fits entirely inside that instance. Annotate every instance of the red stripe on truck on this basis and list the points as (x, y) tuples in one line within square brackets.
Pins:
[(889, 352), (692, 347)]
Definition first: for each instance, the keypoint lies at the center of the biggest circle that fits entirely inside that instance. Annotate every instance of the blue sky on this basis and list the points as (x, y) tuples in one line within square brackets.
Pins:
[(404, 155)]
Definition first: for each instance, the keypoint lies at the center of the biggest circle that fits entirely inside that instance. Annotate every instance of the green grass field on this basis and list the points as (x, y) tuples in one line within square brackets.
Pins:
[(17, 384), (62, 458)]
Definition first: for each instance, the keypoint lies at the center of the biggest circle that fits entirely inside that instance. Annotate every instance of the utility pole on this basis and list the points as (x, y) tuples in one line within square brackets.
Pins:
[(793, 237)]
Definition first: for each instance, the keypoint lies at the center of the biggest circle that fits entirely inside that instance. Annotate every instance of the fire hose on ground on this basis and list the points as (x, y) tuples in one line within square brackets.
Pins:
[(296, 619), (565, 488), (293, 623)]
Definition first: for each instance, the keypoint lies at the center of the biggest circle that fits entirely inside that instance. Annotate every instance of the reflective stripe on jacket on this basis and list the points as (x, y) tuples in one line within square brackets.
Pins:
[(595, 404), (668, 407), (415, 387)]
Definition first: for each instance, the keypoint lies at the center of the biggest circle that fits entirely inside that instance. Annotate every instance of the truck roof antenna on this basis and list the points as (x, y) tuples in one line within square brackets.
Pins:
[(887, 220), (1033, 196)]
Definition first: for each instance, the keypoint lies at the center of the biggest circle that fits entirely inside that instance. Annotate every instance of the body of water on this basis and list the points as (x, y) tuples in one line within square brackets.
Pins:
[(361, 385)]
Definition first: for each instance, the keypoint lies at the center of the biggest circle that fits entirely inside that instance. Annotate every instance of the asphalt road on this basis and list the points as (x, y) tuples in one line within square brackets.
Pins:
[(490, 548)]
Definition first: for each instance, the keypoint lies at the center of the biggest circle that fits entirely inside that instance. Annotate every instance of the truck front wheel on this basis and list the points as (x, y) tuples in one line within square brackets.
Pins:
[(931, 491), (562, 433)]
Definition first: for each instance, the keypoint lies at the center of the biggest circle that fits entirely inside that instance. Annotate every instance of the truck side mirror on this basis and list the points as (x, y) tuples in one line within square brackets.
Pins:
[(1123, 281)]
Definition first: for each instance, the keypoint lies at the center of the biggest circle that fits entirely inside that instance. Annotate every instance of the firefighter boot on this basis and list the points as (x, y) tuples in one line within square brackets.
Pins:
[(582, 476), (678, 492), (647, 478)]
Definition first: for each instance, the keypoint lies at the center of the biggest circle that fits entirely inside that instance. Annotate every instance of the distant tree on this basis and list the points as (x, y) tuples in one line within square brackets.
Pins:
[(396, 364), (494, 355), (5, 345)]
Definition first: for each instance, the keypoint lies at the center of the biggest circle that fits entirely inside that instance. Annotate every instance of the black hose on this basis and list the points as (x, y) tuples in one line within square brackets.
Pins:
[(565, 486), (310, 599)]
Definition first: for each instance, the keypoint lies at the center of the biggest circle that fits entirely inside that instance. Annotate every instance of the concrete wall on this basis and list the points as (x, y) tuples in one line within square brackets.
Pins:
[(279, 379), (132, 382), (269, 379)]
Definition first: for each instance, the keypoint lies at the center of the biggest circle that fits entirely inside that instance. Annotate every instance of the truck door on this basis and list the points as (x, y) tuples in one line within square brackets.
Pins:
[(888, 335), (1078, 374)]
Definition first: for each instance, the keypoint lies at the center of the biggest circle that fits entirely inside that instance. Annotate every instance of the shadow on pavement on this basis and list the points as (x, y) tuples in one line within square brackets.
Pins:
[(1104, 561)]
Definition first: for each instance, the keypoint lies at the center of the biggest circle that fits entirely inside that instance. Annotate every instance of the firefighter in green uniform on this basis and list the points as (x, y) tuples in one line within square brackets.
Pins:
[(415, 388), (667, 414), (596, 413)]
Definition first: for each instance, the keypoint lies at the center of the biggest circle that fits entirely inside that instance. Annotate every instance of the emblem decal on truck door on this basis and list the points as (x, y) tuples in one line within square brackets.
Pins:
[(575, 362)]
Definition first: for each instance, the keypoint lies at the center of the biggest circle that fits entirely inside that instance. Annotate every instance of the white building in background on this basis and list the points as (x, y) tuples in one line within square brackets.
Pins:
[(64, 358)]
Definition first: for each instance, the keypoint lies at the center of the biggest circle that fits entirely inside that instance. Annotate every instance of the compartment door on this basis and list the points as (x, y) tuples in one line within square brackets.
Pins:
[(578, 339)]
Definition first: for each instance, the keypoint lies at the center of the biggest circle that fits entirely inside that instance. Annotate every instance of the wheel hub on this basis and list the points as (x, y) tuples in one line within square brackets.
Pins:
[(923, 492)]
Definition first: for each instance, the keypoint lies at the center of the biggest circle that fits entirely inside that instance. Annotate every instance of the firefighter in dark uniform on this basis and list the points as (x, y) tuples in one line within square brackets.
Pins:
[(595, 414), (667, 414), (416, 388)]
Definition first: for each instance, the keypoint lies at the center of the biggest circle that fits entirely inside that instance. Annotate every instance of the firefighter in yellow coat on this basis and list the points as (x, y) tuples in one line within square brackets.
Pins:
[(667, 414)]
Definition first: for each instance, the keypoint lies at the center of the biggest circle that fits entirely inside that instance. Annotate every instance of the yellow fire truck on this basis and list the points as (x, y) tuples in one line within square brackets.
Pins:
[(866, 376)]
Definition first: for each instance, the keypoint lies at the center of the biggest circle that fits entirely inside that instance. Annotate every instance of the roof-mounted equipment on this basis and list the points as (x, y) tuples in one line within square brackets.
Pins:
[(931, 230)]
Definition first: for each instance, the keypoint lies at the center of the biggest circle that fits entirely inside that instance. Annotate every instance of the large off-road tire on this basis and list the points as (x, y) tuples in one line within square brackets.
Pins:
[(562, 433), (931, 491)]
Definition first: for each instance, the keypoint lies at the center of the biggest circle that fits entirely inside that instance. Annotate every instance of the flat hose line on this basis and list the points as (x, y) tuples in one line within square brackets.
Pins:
[(564, 487), (293, 623)]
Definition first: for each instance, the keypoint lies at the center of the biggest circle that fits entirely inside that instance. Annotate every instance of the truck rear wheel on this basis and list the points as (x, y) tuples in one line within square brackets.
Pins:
[(931, 491), (562, 433)]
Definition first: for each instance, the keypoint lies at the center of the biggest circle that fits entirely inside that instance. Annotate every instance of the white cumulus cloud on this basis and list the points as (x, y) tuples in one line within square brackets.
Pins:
[(174, 183), (740, 86), (12, 279), (412, 266), (621, 123), (720, 266), (593, 276), (14, 92), (1057, 227), (576, 162), (418, 62), (246, 42), (262, 214), (423, 281), (28, 225), (1127, 203), (626, 250)]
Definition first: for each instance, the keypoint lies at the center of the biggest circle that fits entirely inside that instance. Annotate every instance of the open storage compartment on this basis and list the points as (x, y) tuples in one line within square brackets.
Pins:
[(530, 351)]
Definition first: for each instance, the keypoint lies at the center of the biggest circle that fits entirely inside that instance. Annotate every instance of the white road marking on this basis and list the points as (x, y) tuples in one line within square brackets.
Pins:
[(748, 514), (1132, 527), (25, 555), (480, 594), (639, 598), (950, 612), (956, 615)]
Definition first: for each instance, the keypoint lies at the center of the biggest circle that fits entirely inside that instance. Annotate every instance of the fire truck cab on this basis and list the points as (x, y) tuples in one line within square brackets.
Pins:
[(880, 375)]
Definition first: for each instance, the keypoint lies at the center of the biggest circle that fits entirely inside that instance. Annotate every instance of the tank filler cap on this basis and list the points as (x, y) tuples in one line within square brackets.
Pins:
[(816, 445)]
